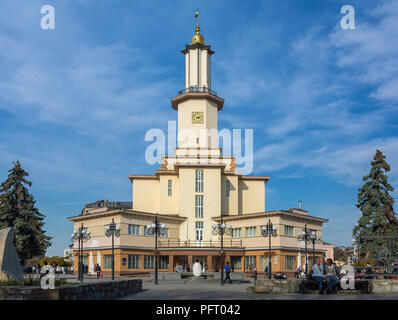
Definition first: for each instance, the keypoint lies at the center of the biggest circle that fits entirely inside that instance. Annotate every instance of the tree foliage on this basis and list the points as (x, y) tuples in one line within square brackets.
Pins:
[(17, 210), (376, 203), (57, 261)]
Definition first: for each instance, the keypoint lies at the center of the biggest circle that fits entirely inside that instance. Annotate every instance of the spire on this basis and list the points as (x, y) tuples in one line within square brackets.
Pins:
[(197, 37)]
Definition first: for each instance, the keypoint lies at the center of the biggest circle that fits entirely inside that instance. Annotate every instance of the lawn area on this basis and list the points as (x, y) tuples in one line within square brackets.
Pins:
[(29, 282)]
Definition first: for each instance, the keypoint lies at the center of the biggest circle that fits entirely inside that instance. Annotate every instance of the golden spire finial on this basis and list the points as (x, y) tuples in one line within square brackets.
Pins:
[(197, 37)]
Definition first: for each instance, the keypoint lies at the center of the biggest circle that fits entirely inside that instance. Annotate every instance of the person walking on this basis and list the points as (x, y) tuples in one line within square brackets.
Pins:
[(227, 270), (98, 270), (266, 270)]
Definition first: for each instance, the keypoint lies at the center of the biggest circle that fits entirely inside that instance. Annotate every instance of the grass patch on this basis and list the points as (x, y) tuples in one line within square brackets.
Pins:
[(30, 282), (250, 289)]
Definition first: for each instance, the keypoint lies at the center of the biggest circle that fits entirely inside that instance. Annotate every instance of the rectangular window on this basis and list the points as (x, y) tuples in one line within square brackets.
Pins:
[(134, 261), (108, 261), (148, 262), (236, 232), (250, 263), (146, 232), (264, 262), (199, 181), (227, 187), (236, 262), (134, 229), (199, 232), (289, 262), (165, 233), (170, 187), (289, 231), (199, 225), (250, 231), (163, 262), (199, 206)]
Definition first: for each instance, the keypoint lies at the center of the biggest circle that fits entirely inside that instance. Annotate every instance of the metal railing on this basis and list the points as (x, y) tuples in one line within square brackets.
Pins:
[(227, 243), (111, 204), (197, 89)]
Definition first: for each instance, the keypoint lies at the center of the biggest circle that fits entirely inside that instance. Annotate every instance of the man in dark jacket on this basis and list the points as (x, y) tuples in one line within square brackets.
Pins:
[(98, 270)]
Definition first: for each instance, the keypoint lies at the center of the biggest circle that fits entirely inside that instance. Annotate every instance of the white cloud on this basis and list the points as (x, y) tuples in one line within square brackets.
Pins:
[(340, 98)]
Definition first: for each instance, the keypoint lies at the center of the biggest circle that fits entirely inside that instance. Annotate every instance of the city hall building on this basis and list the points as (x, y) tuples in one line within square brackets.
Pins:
[(190, 192)]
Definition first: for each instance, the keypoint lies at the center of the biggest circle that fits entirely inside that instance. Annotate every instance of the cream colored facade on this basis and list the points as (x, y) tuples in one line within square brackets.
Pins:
[(191, 191)]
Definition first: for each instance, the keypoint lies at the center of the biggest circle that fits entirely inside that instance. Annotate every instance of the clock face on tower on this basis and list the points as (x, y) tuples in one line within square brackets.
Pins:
[(197, 117)]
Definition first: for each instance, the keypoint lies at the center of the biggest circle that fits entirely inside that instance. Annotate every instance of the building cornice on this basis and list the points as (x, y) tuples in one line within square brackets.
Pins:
[(259, 178), (126, 212), (141, 177), (199, 165), (196, 46), (197, 95), (270, 214)]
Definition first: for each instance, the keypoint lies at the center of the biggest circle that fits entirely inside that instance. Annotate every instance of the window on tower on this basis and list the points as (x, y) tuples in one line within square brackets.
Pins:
[(227, 187), (199, 206), (170, 187), (199, 181)]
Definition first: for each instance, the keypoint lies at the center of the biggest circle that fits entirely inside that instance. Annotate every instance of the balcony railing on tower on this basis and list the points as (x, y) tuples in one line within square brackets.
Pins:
[(109, 205), (197, 89)]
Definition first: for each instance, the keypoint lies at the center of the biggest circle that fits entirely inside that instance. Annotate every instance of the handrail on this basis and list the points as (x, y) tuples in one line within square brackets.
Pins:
[(194, 243), (197, 89), (111, 204)]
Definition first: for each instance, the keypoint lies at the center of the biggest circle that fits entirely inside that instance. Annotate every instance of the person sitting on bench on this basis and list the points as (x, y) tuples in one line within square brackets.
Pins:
[(317, 274), (331, 275)]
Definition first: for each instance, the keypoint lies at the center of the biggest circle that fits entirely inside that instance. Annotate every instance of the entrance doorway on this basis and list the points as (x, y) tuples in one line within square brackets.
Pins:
[(216, 262)]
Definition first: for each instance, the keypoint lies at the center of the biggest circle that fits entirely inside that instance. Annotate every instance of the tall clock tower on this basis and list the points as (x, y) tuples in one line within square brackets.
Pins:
[(197, 104), (198, 183)]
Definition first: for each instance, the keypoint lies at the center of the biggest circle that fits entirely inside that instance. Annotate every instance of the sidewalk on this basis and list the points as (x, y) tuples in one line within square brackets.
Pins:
[(236, 291)]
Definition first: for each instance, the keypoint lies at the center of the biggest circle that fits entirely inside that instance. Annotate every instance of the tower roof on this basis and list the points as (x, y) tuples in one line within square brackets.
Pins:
[(197, 37)]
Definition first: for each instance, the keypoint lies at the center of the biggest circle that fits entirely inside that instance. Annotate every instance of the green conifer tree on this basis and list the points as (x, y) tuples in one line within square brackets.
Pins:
[(17, 210), (378, 217)]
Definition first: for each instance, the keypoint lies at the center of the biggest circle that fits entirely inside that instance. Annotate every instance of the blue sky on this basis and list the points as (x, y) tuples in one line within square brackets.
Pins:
[(76, 102)]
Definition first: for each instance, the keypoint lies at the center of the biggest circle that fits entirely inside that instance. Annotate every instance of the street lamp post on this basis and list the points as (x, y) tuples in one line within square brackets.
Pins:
[(269, 230), (314, 238), (357, 256), (221, 229), (156, 229), (81, 235), (111, 231), (308, 236)]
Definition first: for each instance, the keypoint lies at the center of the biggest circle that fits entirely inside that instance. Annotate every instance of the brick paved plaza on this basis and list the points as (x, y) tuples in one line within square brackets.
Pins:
[(193, 290)]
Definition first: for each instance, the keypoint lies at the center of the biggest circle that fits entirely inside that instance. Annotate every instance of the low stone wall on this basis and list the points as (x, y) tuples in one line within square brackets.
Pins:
[(277, 286), (384, 286), (88, 291)]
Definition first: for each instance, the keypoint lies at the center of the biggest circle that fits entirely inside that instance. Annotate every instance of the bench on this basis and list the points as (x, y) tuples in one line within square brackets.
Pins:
[(361, 285)]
